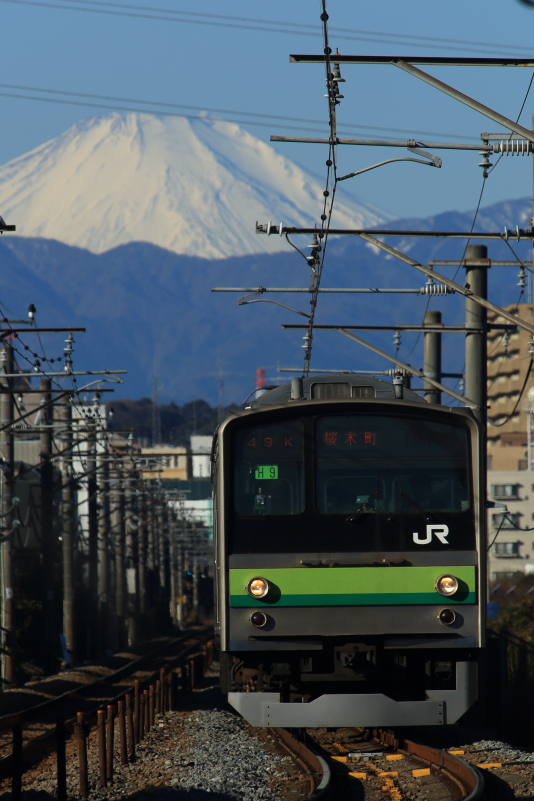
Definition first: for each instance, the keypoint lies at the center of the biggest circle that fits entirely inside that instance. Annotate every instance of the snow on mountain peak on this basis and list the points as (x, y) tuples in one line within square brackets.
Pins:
[(195, 187)]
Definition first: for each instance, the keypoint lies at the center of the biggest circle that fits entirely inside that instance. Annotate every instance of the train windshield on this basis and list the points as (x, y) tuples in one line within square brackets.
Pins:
[(400, 465), (269, 469)]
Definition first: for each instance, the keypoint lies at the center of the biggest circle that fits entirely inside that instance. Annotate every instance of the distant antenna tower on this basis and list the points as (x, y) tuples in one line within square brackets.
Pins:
[(156, 417)]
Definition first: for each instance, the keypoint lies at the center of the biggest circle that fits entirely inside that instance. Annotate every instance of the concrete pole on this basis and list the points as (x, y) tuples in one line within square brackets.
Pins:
[(151, 530), (162, 518), (476, 276), (172, 571), (103, 555), (118, 527), (6, 504), (195, 571), (92, 532), (46, 469), (132, 576), (180, 586), (142, 543), (67, 529), (432, 357)]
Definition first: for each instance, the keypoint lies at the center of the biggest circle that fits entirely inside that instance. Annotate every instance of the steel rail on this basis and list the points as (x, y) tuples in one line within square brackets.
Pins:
[(43, 741), (316, 767), (468, 778), (25, 715)]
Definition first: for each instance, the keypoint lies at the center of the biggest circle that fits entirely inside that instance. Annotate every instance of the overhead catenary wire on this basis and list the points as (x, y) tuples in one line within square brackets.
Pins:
[(250, 23), (487, 173), (154, 107), (318, 255)]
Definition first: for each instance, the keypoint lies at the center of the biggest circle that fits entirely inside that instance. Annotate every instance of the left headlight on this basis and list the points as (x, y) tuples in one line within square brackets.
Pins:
[(446, 585), (258, 587)]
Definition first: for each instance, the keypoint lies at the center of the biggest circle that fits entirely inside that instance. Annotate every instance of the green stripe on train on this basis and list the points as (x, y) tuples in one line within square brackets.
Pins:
[(352, 586)]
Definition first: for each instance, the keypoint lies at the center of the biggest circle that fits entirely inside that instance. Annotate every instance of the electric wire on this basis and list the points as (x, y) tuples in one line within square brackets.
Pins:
[(328, 193), (153, 108), (486, 175), (248, 23)]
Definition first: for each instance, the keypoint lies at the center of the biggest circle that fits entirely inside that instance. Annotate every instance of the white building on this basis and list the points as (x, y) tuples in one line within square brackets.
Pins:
[(512, 549), (201, 445)]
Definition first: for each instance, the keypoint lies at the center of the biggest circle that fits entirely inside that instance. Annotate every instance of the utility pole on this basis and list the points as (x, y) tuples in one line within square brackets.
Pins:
[(180, 585), (432, 357), (103, 565), (476, 277), (172, 566), (132, 574), (194, 570), (118, 527), (162, 521), (67, 529), (47, 526), (142, 547), (92, 533), (151, 554), (6, 505)]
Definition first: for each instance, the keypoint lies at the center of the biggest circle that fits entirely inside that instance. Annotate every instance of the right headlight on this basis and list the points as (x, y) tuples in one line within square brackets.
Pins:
[(446, 585)]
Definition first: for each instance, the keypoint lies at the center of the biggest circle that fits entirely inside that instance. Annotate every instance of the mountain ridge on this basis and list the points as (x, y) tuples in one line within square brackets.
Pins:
[(195, 187), (148, 309)]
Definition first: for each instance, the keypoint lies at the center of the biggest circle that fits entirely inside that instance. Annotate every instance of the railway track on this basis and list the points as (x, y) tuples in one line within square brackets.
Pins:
[(38, 723), (378, 765)]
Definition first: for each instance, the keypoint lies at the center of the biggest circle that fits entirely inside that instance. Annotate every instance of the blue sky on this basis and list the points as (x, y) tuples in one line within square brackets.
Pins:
[(247, 70)]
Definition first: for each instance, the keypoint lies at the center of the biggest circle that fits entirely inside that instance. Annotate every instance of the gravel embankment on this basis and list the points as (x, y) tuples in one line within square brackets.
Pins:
[(202, 752)]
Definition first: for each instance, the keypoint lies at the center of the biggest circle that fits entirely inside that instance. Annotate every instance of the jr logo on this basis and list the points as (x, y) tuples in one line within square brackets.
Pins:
[(441, 532)]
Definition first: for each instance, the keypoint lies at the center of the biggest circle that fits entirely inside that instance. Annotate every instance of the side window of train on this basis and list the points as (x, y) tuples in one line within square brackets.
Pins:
[(269, 469)]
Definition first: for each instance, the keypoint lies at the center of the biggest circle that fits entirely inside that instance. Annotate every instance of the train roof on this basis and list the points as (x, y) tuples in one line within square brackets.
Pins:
[(333, 387)]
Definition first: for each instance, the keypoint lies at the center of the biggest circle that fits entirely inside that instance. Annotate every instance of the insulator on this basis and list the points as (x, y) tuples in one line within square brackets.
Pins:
[(397, 339), (436, 289), (513, 147), (337, 74), (315, 243), (522, 279), (485, 163), (506, 340)]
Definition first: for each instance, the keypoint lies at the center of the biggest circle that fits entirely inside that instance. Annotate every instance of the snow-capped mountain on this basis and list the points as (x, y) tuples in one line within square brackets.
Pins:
[(195, 187)]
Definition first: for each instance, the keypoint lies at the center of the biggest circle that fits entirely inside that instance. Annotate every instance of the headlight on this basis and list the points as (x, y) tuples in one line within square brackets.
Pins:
[(446, 585), (258, 587)]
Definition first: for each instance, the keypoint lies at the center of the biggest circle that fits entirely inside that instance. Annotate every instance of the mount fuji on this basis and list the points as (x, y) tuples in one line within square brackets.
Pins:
[(194, 187)]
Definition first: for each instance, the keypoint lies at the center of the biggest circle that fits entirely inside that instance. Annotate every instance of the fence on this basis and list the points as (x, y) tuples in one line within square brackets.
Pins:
[(135, 714)]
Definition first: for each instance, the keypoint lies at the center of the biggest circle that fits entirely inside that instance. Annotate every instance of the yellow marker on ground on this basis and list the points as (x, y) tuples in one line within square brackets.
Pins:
[(393, 773), (356, 775), (392, 757), (421, 772), (490, 765), (456, 753), (340, 758)]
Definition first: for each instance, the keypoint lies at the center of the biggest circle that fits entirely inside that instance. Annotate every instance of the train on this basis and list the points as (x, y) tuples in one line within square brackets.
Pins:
[(350, 557)]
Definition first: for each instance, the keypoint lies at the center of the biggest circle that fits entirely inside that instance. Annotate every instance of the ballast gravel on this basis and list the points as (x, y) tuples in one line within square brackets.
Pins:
[(226, 760), (202, 752)]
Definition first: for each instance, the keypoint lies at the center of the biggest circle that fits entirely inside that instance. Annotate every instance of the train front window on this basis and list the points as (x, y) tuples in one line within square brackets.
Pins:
[(269, 469), (400, 465)]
